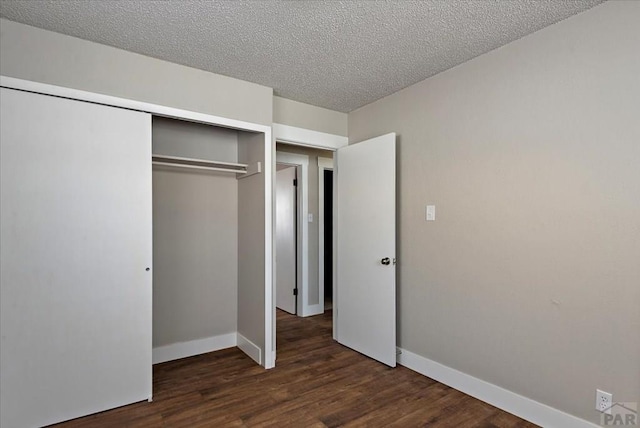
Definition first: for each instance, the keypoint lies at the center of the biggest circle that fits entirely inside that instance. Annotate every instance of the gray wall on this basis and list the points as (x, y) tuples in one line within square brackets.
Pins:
[(173, 137), (251, 242), (530, 276), (195, 227), (43, 56), (313, 209), (301, 115)]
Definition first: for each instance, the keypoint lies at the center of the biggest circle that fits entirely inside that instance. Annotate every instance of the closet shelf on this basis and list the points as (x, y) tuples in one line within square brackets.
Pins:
[(243, 169)]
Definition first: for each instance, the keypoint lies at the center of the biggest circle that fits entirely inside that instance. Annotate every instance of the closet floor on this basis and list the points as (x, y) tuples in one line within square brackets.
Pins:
[(317, 383)]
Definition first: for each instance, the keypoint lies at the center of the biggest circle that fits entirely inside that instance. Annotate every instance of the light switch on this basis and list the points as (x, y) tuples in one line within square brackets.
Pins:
[(310, 218), (431, 212)]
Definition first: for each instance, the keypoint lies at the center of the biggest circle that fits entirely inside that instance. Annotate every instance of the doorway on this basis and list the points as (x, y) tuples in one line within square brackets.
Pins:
[(328, 239), (363, 239), (295, 167), (305, 163), (310, 164), (286, 238), (325, 230)]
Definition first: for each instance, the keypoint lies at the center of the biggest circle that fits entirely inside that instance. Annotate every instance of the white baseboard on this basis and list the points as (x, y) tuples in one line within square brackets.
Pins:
[(314, 310), (249, 348), (179, 350), (526, 408)]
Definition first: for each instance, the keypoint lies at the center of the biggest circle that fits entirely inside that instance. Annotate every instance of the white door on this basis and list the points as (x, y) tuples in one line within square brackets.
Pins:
[(75, 246), (286, 239), (365, 227)]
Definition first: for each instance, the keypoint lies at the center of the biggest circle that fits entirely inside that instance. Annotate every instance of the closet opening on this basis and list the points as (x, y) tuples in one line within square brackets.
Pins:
[(208, 239), (107, 196)]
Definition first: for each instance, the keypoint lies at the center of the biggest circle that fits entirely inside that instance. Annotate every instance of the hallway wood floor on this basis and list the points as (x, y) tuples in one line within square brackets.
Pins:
[(317, 383)]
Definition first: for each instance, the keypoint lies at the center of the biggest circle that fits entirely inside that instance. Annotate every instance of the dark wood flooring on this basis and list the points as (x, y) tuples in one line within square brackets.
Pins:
[(316, 383)]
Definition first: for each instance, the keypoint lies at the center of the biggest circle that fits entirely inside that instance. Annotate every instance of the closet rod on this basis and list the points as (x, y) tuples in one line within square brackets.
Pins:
[(202, 164), (207, 168)]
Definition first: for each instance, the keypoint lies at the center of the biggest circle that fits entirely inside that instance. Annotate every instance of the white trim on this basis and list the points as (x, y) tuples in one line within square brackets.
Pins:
[(270, 290), (269, 243), (526, 408), (108, 100), (175, 351), (303, 221), (158, 110), (249, 348), (323, 164), (307, 137), (165, 111), (315, 309), (334, 311)]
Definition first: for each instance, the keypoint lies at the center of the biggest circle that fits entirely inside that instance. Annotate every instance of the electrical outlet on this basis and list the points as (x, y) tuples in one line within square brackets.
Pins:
[(604, 401)]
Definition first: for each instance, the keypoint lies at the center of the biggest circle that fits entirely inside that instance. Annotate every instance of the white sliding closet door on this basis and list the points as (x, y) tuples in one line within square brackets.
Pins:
[(75, 248)]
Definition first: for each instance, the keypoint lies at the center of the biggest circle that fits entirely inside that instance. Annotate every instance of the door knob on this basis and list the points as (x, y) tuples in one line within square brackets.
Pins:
[(386, 261)]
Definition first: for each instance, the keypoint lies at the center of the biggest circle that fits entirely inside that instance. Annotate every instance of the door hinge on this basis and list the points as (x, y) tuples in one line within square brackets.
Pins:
[(295, 182), (295, 291)]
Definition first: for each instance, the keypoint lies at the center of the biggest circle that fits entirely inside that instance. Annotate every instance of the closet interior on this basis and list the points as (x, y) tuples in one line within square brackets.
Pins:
[(204, 207)]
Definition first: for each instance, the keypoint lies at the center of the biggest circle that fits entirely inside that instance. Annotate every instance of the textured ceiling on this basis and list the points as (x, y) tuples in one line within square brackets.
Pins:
[(335, 54)]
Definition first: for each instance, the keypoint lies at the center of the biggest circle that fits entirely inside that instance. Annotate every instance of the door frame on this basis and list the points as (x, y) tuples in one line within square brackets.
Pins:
[(268, 359), (319, 140), (324, 164), (301, 162)]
